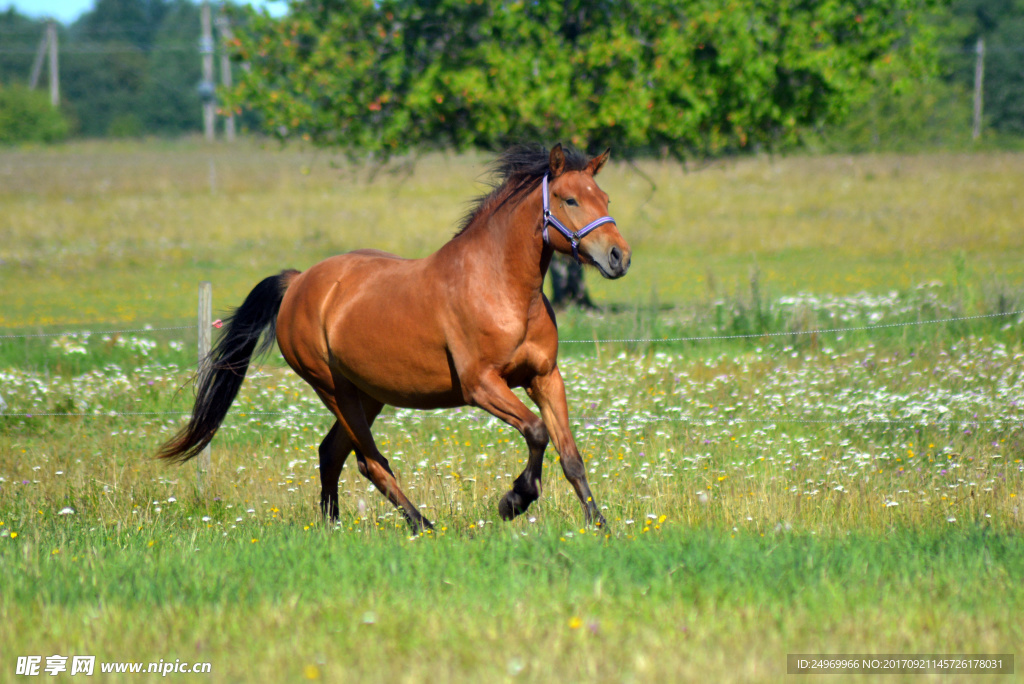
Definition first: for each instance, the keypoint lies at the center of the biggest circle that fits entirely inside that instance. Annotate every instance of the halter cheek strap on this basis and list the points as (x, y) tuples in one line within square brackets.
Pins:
[(574, 238)]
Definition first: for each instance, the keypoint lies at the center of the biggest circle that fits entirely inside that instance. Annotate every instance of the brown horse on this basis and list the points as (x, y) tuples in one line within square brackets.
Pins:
[(462, 326)]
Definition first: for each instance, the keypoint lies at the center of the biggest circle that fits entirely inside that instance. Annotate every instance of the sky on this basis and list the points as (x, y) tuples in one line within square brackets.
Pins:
[(66, 11)]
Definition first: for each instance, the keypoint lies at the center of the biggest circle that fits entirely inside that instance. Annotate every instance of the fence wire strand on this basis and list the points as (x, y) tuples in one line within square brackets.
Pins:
[(637, 340), (879, 326), (89, 333), (583, 421)]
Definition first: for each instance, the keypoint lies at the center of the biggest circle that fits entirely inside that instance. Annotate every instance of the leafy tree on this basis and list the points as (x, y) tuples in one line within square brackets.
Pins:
[(691, 77), (28, 116), (910, 104), (132, 22), (1004, 75)]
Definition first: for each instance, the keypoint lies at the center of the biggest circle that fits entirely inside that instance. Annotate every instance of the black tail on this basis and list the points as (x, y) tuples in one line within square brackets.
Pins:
[(218, 385)]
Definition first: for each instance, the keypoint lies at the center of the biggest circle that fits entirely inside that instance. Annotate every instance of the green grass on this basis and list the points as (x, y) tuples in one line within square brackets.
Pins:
[(367, 605), (792, 491)]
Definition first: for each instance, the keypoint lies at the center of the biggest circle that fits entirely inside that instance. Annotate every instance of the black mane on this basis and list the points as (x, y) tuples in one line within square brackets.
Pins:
[(518, 170)]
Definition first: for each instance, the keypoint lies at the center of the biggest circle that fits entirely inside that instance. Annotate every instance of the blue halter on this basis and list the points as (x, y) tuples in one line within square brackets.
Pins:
[(573, 237)]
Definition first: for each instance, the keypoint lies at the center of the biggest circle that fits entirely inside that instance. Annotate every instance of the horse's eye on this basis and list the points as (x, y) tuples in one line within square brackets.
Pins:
[(571, 202)]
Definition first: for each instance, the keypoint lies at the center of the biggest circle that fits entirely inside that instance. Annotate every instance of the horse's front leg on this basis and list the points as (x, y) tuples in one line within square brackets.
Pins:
[(548, 392), (490, 392)]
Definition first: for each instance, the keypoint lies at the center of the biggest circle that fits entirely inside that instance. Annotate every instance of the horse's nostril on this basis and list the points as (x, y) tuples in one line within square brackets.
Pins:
[(615, 257)]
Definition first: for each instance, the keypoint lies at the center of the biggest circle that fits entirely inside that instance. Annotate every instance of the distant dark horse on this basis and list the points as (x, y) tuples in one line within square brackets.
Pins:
[(459, 327)]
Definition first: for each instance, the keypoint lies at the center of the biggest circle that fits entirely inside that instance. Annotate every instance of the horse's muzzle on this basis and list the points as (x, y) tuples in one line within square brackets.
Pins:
[(612, 262), (619, 261)]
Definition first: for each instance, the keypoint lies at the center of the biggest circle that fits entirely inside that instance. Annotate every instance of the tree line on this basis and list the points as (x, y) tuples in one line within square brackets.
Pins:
[(648, 77), (127, 67)]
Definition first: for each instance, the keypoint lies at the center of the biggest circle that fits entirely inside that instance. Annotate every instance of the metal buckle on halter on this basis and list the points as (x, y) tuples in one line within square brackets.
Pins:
[(574, 238)]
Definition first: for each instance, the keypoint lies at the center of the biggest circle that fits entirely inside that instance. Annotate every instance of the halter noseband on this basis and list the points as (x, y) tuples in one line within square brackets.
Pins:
[(573, 238)]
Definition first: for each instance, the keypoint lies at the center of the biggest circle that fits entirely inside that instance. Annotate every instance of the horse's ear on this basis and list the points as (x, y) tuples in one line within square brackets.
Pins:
[(597, 162), (556, 163)]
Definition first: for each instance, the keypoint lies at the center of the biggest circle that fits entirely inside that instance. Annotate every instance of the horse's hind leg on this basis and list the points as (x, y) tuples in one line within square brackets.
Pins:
[(378, 471), (334, 450), (349, 404)]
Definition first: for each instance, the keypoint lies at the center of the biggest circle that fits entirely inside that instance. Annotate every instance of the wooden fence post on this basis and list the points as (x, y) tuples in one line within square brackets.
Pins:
[(205, 325)]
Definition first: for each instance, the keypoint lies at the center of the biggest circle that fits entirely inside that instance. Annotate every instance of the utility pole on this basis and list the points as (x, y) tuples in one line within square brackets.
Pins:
[(51, 30), (37, 64), (979, 81), (207, 92), (47, 46), (224, 27)]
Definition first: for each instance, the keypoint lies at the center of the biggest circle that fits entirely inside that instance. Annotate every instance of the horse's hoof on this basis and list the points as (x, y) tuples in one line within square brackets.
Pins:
[(420, 526), (329, 512), (505, 508), (511, 505)]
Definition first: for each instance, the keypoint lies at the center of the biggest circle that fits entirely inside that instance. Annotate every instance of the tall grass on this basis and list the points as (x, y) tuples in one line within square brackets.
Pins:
[(82, 223)]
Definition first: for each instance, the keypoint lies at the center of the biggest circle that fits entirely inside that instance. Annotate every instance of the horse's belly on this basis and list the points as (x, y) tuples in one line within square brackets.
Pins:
[(408, 376)]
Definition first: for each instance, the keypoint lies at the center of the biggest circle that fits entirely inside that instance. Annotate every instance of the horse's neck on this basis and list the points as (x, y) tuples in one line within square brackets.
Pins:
[(508, 242), (515, 243)]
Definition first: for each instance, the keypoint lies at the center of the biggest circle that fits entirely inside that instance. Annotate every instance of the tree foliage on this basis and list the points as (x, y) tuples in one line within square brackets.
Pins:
[(127, 67), (684, 77), (27, 116), (135, 67)]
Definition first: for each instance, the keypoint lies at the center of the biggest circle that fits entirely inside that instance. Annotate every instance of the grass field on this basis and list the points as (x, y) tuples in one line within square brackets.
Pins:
[(795, 491), (82, 224)]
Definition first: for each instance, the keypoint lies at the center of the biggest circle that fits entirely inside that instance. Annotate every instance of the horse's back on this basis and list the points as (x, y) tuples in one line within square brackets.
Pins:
[(343, 275)]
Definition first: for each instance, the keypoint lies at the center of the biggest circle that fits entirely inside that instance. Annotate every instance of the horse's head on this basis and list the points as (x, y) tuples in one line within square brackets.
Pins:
[(577, 209)]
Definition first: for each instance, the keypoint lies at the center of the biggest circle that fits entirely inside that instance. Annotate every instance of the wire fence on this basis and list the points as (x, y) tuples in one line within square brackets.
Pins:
[(581, 420), (90, 333), (625, 340), (789, 333)]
